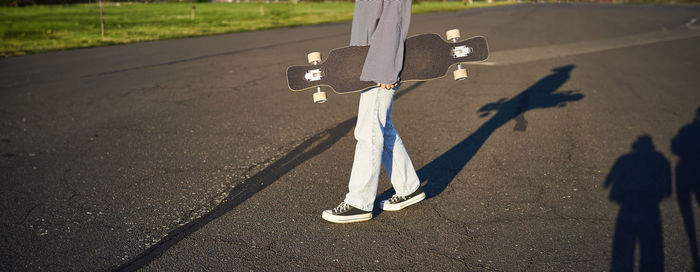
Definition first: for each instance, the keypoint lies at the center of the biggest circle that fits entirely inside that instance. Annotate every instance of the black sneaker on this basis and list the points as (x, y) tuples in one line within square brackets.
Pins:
[(397, 202), (345, 213)]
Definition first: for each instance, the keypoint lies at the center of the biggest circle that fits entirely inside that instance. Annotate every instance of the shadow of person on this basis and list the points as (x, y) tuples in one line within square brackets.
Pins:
[(686, 145), (639, 181), (438, 174)]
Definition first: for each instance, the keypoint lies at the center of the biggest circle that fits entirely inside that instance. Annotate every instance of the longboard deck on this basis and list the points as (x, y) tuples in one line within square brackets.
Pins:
[(427, 57)]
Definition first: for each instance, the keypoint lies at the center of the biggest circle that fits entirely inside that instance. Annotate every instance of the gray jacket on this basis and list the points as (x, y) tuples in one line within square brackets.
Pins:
[(382, 24)]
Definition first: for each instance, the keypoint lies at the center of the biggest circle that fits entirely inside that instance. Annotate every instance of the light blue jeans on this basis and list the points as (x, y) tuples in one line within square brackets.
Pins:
[(378, 143)]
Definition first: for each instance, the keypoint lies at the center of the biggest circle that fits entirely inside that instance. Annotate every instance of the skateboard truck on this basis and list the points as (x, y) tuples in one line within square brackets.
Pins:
[(458, 52), (314, 75), (461, 51)]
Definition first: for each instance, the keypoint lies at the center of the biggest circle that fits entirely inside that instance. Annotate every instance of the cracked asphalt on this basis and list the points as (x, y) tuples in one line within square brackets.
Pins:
[(191, 154)]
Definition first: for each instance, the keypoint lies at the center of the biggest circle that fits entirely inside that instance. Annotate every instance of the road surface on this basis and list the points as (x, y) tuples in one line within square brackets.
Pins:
[(191, 154)]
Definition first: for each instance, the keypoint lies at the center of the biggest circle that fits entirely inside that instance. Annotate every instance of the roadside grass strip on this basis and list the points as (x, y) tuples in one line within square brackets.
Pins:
[(35, 29)]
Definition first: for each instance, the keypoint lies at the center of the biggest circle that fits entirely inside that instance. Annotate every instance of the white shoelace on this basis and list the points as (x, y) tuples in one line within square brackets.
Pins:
[(342, 207), (397, 198)]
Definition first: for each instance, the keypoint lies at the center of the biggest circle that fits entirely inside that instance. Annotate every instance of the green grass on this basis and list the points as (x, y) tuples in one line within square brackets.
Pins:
[(33, 29)]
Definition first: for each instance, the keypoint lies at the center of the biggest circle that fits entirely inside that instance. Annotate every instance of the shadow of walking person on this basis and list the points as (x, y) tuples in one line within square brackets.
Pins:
[(438, 174), (686, 145), (639, 180)]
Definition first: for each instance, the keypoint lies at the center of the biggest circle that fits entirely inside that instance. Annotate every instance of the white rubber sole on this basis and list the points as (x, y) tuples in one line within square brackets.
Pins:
[(346, 219), (395, 207)]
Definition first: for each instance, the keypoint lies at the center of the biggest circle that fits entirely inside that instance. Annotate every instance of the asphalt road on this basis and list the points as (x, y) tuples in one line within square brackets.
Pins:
[(192, 154)]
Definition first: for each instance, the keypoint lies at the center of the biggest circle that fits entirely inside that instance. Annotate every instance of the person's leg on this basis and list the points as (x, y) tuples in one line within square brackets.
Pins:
[(400, 169), (364, 178), (396, 161), (371, 119)]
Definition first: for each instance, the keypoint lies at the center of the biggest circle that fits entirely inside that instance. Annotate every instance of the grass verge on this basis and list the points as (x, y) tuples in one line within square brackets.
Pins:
[(34, 29)]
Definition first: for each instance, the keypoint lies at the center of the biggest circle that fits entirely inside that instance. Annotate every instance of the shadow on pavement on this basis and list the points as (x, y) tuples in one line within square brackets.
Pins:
[(310, 148), (686, 145), (639, 180), (438, 174)]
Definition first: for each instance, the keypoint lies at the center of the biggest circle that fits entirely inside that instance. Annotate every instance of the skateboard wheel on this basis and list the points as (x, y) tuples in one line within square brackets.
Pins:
[(320, 97), (452, 34), (314, 57), (460, 74)]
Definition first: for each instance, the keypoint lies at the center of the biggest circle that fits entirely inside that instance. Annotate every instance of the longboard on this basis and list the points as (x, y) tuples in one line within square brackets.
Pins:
[(427, 57)]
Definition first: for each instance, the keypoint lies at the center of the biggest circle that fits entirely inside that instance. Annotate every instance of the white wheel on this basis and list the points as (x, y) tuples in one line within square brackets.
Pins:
[(452, 34), (460, 74), (320, 97), (314, 56)]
